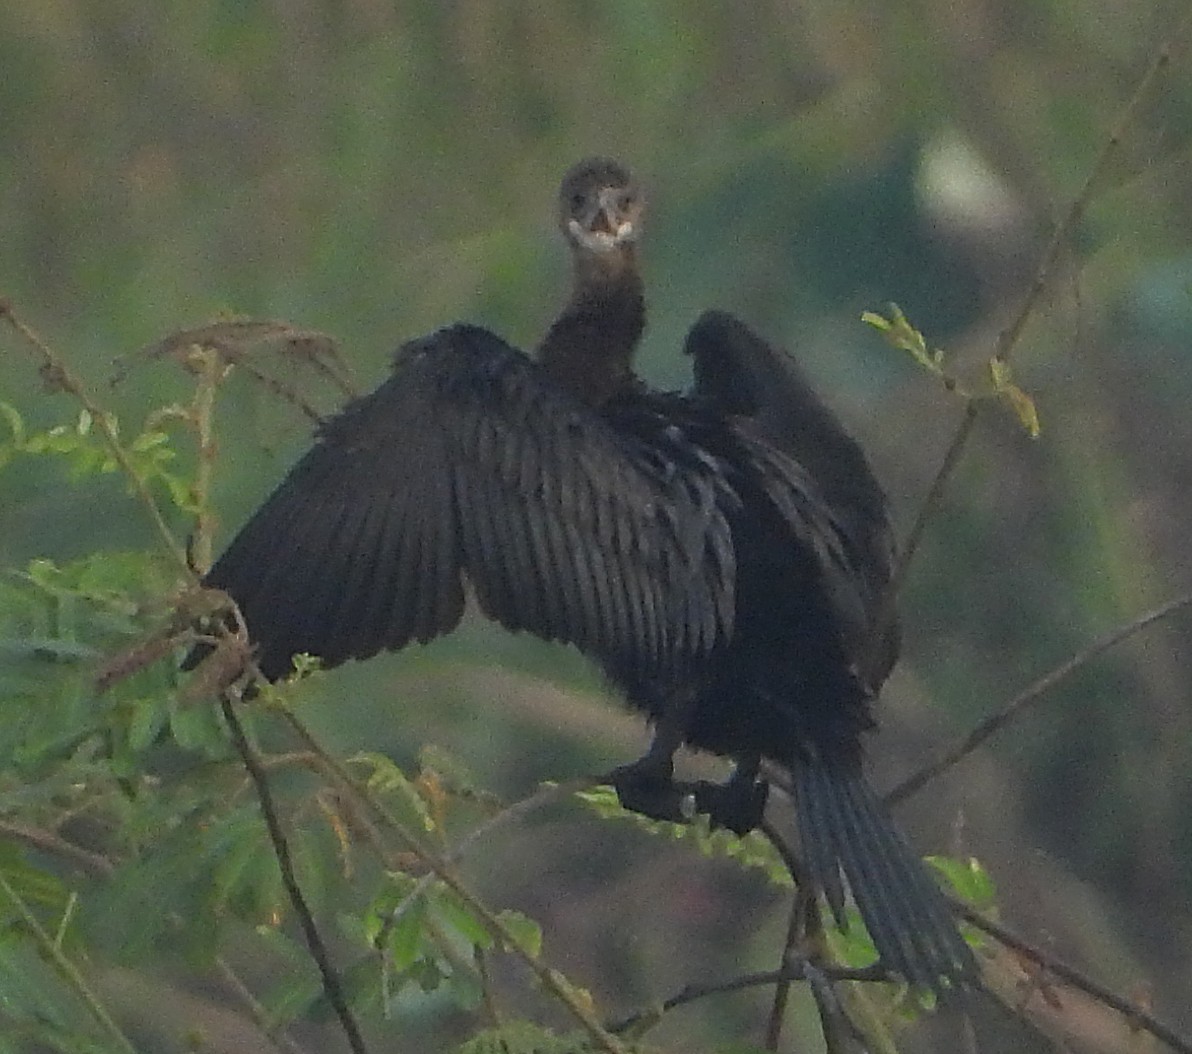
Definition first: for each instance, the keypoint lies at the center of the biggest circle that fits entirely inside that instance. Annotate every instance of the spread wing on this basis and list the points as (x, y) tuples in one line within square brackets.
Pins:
[(469, 465), (813, 471)]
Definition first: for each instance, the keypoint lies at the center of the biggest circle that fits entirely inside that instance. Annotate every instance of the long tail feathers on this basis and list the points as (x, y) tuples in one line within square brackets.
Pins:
[(844, 827)]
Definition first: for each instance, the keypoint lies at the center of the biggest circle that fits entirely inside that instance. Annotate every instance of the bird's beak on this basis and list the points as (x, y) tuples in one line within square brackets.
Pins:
[(607, 229)]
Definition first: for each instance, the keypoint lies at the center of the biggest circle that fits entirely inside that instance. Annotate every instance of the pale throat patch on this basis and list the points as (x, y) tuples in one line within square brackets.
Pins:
[(602, 241)]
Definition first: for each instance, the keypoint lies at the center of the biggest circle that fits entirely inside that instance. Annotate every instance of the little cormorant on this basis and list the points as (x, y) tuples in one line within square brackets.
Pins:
[(722, 556)]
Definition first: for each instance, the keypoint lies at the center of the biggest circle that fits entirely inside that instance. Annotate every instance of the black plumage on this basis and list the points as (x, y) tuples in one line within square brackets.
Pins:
[(722, 555)]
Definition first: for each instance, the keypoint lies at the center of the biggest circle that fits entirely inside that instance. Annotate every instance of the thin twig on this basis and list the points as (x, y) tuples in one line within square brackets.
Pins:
[(1010, 337), (796, 971), (51, 842), (1031, 694), (837, 1027), (806, 944), (551, 980), (259, 1013), (60, 375), (210, 370), (782, 990), (931, 503), (544, 795), (793, 934), (318, 950), (52, 950), (1135, 1015), (492, 1012), (286, 392)]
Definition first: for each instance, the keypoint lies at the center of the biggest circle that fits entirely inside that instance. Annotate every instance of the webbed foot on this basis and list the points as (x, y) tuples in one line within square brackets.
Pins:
[(647, 786), (737, 805)]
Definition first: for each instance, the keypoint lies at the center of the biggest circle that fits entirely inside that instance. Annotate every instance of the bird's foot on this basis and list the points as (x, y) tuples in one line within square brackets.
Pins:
[(737, 805), (647, 786)]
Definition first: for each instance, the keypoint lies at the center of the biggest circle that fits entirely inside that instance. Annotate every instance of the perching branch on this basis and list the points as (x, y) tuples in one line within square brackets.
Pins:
[(1030, 695)]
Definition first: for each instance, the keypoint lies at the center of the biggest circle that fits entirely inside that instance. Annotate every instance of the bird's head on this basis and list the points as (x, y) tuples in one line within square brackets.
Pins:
[(600, 207)]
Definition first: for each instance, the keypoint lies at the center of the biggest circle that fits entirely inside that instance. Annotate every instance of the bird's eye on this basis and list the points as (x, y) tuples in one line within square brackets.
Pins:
[(577, 201)]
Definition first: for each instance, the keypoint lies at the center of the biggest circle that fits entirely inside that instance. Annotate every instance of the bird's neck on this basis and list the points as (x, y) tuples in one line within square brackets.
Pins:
[(589, 347)]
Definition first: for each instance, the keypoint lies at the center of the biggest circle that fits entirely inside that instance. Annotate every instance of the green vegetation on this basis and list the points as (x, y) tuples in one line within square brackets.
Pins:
[(371, 171)]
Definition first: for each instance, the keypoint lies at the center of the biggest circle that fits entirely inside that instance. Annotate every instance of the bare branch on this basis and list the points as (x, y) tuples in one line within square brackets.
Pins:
[(1054, 968), (52, 842), (281, 849), (1009, 339), (796, 971), (1031, 694), (259, 1013)]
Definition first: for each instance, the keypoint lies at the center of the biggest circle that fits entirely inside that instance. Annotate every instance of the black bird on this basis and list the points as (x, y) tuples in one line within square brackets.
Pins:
[(722, 556)]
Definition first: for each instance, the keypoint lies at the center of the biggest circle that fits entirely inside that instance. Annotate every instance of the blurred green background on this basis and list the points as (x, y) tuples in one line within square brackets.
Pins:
[(375, 170)]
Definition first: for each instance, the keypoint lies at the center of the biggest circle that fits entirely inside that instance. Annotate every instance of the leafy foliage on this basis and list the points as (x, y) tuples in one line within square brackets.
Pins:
[(130, 779), (150, 459), (753, 850), (799, 164), (899, 332)]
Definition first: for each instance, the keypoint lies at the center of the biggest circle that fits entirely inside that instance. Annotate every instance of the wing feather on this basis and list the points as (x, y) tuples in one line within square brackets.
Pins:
[(812, 470), (469, 464)]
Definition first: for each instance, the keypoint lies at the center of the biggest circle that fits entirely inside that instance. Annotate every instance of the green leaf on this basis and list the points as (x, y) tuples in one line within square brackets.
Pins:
[(151, 440), (405, 936), (901, 334), (1021, 404), (387, 779), (854, 946), (15, 424), (149, 717), (751, 850), (198, 728), (968, 879), (299, 990), (524, 930), (34, 886), (457, 918), (453, 771)]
